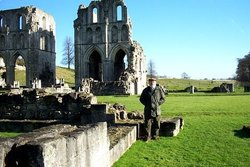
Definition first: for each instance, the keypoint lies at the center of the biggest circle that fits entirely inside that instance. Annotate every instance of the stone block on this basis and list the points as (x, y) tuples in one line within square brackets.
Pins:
[(123, 143), (98, 112), (171, 127)]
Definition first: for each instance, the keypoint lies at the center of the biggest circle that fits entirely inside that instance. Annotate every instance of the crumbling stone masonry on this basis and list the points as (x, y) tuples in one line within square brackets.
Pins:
[(30, 33), (35, 104), (66, 146), (104, 48)]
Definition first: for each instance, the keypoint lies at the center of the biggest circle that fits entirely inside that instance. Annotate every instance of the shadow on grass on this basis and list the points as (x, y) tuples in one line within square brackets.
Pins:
[(242, 133)]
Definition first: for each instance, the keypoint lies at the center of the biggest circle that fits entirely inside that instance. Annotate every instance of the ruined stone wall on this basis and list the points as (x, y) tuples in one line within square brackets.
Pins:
[(104, 48), (34, 106), (30, 33), (66, 146), (60, 145)]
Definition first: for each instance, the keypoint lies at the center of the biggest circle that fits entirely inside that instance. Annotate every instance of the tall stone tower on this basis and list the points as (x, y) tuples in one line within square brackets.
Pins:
[(30, 33), (104, 48)]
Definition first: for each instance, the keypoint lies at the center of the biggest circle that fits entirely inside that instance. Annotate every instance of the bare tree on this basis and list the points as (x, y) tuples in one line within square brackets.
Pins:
[(151, 69), (185, 75), (68, 52)]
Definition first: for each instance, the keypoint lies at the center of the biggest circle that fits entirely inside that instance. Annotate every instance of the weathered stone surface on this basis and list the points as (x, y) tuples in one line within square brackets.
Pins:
[(67, 146), (102, 50), (122, 138), (30, 33), (34, 104), (135, 115), (224, 87), (171, 127)]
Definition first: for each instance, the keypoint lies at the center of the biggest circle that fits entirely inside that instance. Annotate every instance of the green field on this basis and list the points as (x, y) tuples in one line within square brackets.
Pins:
[(212, 133), (201, 85), (61, 72), (67, 74), (9, 134), (211, 136)]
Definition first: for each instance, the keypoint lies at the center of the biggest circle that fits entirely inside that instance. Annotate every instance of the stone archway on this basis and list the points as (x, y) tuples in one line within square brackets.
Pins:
[(20, 70), (95, 66), (2, 72), (120, 64)]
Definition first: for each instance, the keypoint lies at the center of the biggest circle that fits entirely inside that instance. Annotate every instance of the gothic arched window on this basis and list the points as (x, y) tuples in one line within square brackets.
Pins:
[(95, 15), (119, 13), (20, 22)]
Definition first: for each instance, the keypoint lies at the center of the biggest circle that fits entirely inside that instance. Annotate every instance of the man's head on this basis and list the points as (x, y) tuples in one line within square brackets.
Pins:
[(152, 82)]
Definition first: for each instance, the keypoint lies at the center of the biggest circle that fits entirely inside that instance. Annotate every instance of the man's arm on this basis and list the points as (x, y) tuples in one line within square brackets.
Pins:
[(142, 98), (162, 97)]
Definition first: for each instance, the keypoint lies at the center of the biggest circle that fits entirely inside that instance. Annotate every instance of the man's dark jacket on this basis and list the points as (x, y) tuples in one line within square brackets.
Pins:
[(152, 99)]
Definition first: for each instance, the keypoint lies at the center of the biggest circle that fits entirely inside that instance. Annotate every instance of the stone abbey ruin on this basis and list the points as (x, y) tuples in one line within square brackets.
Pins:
[(105, 51), (61, 126), (30, 33)]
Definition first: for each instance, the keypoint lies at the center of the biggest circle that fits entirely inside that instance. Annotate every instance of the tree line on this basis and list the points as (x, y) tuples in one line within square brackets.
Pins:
[(243, 69)]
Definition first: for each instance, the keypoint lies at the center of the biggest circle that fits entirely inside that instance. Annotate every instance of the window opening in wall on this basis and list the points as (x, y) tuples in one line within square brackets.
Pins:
[(95, 66), (2, 73), (94, 15), (121, 64), (20, 70), (46, 40), (1, 22), (42, 43), (119, 13), (20, 22), (44, 23)]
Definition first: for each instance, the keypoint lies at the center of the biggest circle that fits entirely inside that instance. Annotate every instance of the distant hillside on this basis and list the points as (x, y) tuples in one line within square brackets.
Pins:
[(67, 74), (170, 84), (201, 85), (61, 72)]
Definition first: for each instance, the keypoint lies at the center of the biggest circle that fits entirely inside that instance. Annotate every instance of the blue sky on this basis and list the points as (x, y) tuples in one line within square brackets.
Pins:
[(203, 38)]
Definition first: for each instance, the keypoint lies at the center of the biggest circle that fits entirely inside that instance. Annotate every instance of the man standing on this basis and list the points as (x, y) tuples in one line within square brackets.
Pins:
[(152, 97)]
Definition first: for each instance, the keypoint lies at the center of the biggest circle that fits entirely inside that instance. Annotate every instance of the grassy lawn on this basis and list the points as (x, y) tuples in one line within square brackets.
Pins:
[(67, 74), (211, 134), (61, 72), (9, 134)]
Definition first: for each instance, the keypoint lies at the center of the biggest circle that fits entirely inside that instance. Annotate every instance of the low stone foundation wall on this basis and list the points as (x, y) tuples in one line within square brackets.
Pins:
[(66, 146), (122, 138)]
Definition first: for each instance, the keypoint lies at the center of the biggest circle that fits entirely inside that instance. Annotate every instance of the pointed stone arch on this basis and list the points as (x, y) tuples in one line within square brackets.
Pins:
[(95, 66), (120, 57), (11, 70), (116, 48), (94, 62)]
